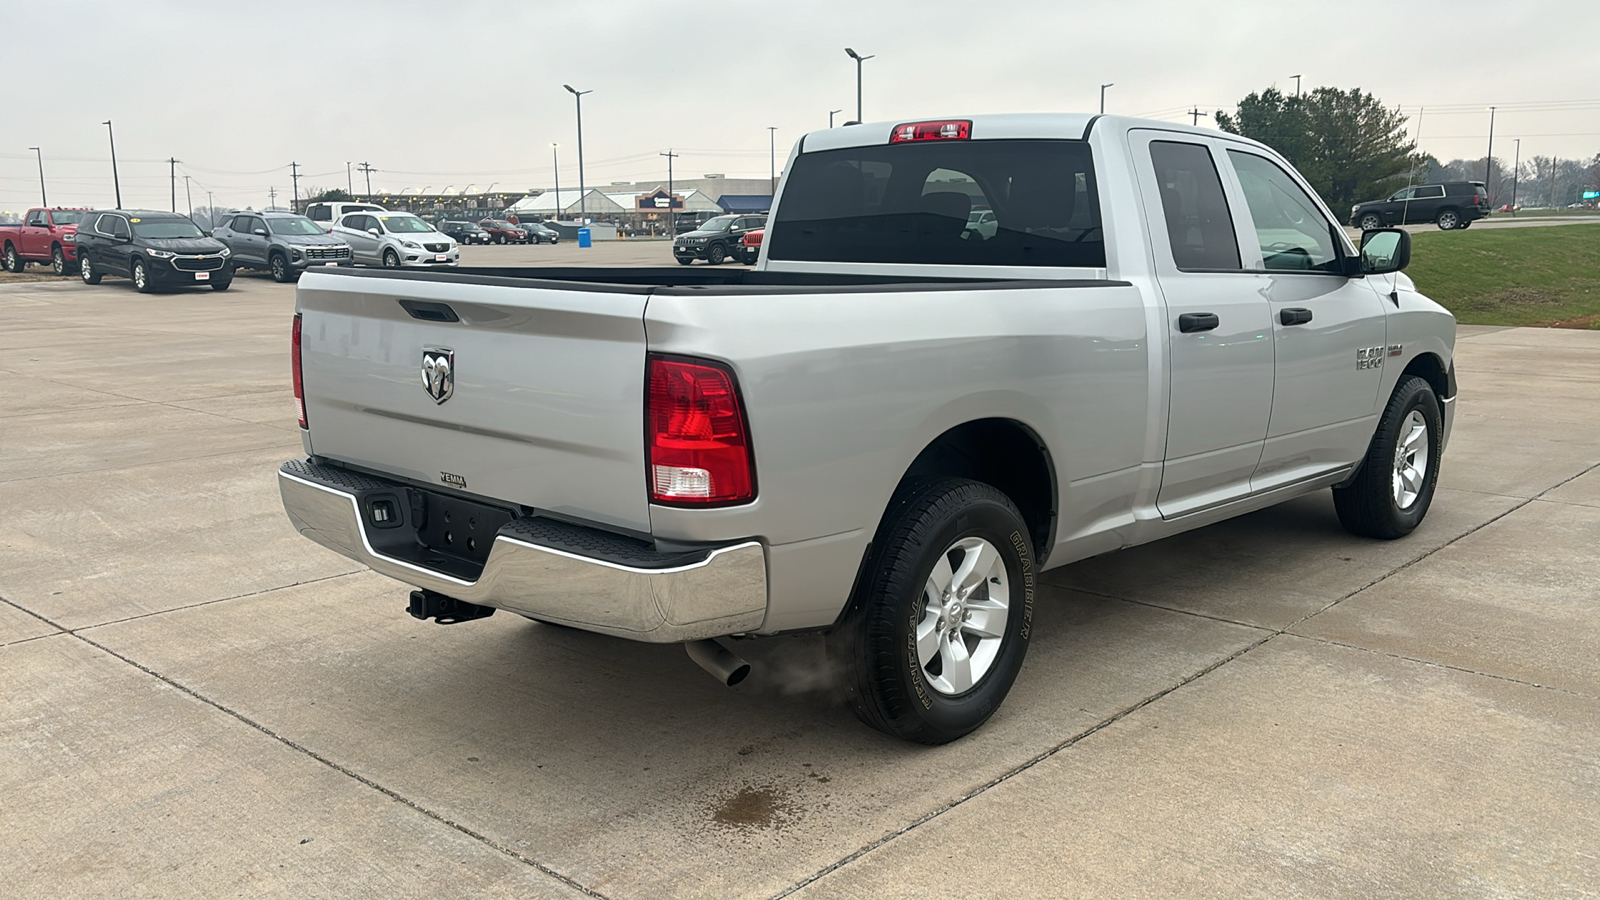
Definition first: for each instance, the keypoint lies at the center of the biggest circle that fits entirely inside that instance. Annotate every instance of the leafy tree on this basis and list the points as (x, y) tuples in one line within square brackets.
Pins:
[(332, 195), (1346, 144)]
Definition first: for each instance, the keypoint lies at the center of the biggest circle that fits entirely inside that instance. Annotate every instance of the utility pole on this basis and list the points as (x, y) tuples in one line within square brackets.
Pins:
[(111, 133), (367, 171), (1194, 117), (583, 207), (672, 214), (859, 60), (40, 154), (830, 116), (1488, 162), (294, 175), (1296, 86), (349, 186), (272, 197), (555, 161), (1103, 96), (772, 156), (174, 164), (211, 210), (1555, 166), (1516, 170), (187, 197)]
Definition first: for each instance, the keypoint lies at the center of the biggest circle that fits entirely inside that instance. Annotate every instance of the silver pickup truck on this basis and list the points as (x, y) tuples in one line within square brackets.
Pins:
[(889, 427)]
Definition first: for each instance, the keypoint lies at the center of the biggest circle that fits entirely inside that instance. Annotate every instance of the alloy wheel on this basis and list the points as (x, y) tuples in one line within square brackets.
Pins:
[(1411, 458), (966, 602)]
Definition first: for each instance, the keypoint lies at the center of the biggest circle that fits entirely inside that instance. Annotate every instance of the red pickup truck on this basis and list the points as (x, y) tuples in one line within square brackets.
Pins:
[(45, 236)]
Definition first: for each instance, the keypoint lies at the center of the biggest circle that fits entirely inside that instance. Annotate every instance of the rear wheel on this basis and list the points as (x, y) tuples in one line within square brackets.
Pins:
[(141, 277), (937, 632), (391, 259), (1448, 220), (13, 262), (1391, 494), (90, 274)]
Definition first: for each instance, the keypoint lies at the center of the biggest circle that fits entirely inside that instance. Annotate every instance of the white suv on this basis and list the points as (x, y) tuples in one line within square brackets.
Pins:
[(395, 239)]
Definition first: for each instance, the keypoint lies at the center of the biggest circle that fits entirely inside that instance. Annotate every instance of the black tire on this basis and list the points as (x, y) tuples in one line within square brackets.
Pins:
[(86, 269), (222, 284), (58, 261), (685, 261), (499, 239), (278, 264), (14, 261), (1367, 506), (875, 646), (1371, 222), (141, 277), (1465, 223), (391, 259), (1448, 220), (716, 254)]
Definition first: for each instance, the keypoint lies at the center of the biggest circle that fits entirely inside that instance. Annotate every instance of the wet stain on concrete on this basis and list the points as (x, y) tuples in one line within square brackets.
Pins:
[(755, 807)]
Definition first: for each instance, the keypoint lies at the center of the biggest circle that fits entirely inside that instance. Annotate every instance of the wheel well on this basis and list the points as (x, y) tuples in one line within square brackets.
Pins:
[(1430, 369), (1006, 455)]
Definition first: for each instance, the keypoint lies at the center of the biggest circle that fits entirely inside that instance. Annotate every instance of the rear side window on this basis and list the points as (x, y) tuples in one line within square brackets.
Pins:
[(1429, 192), (911, 203), (1198, 223), (320, 213)]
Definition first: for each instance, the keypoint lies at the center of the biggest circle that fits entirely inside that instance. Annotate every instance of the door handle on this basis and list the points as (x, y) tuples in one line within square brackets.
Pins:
[(1295, 316), (1189, 323)]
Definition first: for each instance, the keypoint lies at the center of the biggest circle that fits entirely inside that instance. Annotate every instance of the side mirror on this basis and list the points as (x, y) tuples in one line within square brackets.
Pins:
[(1385, 250), (261, 231), (374, 232)]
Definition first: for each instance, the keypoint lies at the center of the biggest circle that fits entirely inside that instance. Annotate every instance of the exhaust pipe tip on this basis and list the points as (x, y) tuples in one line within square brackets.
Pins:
[(711, 655)]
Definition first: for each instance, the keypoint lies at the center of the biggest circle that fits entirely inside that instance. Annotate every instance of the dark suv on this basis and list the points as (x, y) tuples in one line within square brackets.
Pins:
[(155, 249), (464, 232), (1452, 204), (716, 239)]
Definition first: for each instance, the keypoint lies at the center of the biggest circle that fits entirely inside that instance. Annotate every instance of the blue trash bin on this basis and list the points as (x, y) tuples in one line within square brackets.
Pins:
[(583, 237)]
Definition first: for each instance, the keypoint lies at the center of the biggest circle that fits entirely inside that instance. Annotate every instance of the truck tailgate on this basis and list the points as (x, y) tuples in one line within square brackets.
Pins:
[(547, 403)]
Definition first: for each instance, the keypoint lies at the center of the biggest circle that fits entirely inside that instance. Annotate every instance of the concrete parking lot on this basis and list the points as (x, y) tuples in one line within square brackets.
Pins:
[(197, 702)]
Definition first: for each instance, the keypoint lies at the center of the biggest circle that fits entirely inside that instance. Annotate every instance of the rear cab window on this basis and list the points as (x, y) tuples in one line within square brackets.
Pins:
[(912, 203)]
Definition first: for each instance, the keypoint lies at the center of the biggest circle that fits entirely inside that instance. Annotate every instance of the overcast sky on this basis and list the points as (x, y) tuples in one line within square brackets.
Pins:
[(452, 93)]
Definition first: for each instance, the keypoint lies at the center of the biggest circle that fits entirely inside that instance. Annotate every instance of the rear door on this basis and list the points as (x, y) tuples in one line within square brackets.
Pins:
[(1219, 328), (1328, 330), (543, 403)]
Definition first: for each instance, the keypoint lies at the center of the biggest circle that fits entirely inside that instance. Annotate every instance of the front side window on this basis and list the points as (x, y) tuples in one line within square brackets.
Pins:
[(166, 229), (36, 218), (912, 202), (1294, 235), (1199, 225), (1404, 194)]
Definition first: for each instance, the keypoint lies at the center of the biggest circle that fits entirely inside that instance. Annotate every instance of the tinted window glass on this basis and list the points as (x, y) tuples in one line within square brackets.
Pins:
[(1293, 233), (119, 228), (1198, 223), (166, 229), (1431, 191), (36, 218), (405, 224), (106, 225), (909, 203), (320, 213), (66, 216)]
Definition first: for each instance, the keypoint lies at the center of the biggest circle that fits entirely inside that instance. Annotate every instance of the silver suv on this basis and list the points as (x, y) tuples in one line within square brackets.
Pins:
[(396, 239), (284, 244)]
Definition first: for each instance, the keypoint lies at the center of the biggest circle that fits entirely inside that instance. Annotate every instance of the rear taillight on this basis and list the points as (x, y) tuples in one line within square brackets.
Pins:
[(958, 130), (698, 442), (299, 386)]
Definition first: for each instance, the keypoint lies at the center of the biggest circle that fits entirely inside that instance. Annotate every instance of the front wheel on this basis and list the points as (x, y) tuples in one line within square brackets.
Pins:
[(281, 273), (1394, 488), (685, 260), (141, 277), (391, 259), (499, 239), (716, 255), (58, 261), (936, 634), (1371, 222)]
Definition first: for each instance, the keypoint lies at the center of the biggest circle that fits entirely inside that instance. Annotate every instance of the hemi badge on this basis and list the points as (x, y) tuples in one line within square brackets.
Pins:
[(1395, 349)]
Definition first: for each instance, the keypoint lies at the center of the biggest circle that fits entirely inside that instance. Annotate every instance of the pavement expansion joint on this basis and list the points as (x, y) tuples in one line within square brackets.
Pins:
[(199, 603), (1439, 665)]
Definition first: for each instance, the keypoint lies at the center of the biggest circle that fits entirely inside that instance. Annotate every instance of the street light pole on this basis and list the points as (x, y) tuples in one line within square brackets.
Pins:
[(583, 207), (772, 155), (1488, 162), (1516, 170), (111, 133), (672, 215), (830, 116), (40, 154), (349, 186), (1296, 86), (555, 160), (859, 60), (174, 163), (1103, 96)]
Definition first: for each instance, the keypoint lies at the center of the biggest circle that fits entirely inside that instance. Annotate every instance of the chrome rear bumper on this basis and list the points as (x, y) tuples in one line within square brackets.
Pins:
[(549, 570)]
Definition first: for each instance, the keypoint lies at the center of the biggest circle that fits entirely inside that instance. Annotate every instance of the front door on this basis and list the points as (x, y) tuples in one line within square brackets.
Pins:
[(1219, 330), (1329, 329)]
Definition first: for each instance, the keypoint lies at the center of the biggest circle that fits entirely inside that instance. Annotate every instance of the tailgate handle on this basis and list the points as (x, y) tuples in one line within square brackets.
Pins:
[(429, 312)]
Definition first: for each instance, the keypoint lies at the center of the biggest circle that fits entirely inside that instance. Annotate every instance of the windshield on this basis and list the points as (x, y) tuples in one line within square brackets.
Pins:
[(166, 229), (717, 224), (66, 216), (405, 224), (293, 225)]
